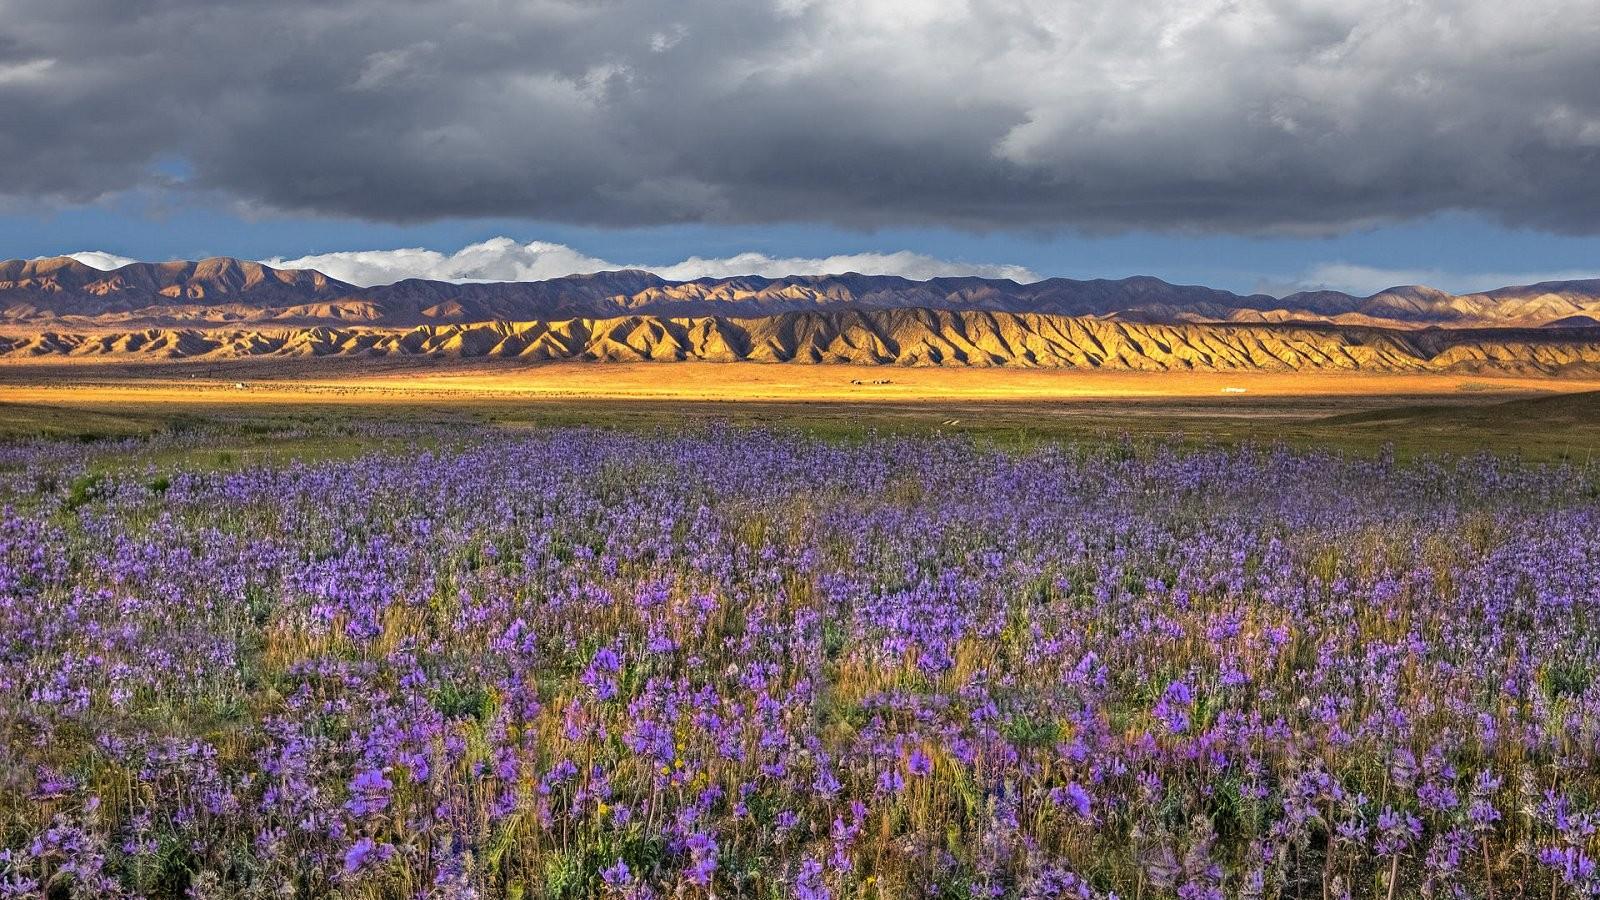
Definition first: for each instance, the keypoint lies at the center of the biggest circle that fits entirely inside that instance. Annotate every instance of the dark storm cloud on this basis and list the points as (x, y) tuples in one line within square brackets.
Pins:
[(1246, 116)]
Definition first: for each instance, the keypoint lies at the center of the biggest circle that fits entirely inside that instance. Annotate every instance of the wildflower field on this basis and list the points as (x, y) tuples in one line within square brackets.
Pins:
[(742, 663)]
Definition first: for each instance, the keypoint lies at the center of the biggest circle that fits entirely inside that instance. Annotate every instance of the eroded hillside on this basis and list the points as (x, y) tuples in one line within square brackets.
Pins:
[(898, 337)]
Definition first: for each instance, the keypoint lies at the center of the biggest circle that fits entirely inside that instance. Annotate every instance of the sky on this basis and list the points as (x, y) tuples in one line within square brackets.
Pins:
[(1243, 144)]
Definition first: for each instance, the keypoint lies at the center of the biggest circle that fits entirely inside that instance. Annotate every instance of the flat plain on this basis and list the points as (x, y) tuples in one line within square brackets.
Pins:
[(1538, 417)]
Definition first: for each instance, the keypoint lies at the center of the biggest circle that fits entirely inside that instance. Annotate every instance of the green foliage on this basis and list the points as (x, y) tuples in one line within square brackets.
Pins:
[(565, 875), (456, 700), (834, 634), (1027, 731), (83, 490), (1566, 678), (575, 871)]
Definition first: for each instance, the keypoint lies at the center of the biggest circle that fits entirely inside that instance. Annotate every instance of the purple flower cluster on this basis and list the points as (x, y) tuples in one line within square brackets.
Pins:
[(733, 662)]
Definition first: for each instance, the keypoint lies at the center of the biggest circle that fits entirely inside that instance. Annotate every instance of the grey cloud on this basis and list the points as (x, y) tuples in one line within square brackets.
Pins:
[(1206, 115)]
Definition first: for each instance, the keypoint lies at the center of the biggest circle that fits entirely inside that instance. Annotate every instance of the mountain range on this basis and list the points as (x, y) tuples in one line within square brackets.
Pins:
[(222, 291), (227, 308)]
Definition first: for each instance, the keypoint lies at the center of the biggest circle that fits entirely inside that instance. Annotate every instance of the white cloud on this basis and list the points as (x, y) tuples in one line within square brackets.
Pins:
[(25, 73), (662, 41), (1367, 280), (903, 263), (497, 259), (386, 67), (503, 259), (98, 259)]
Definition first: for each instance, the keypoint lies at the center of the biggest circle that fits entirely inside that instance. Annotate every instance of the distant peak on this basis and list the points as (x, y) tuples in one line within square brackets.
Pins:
[(57, 264)]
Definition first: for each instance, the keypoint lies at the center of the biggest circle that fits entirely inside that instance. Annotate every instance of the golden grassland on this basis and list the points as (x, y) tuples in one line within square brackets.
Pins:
[(1541, 417), (411, 381)]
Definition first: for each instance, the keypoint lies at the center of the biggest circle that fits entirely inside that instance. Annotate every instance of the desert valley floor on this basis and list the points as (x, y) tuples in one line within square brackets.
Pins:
[(1540, 416)]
